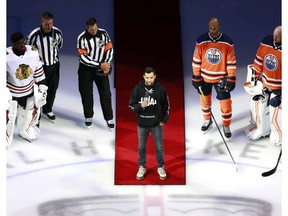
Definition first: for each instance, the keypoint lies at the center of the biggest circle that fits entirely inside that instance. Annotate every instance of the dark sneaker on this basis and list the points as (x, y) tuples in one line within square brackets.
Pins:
[(49, 116), (227, 131), (162, 173), (207, 125), (88, 122), (141, 173), (110, 124)]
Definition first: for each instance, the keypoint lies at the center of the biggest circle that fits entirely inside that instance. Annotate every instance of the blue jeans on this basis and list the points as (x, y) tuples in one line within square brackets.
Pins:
[(157, 133)]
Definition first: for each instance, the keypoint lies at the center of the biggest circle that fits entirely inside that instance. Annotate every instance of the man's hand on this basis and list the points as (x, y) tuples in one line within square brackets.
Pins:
[(197, 81), (227, 84), (105, 67)]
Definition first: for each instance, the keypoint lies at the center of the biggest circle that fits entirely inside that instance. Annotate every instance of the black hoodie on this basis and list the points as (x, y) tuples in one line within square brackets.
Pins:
[(158, 104)]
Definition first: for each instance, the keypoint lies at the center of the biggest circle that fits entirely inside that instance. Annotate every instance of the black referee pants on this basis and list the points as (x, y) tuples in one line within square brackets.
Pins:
[(86, 77), (52, 75)]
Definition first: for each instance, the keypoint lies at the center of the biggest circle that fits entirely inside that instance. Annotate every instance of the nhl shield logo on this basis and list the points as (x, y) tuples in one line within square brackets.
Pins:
[(213, 56), (270, 62), (54, 43), (100, 43)]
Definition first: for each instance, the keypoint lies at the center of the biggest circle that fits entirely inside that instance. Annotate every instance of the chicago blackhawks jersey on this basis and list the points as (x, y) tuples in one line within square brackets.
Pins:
[(268, 61), (214, 58), (23, 71)]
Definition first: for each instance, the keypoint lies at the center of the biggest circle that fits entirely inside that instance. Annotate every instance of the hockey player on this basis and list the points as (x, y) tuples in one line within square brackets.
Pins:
[(27, 84), (214, 65), (11, 112), (268, 70)]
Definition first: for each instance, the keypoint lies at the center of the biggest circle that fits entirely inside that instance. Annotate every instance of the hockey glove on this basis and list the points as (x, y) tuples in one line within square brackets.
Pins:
[(227, 84), (197, 81), (40, 94)]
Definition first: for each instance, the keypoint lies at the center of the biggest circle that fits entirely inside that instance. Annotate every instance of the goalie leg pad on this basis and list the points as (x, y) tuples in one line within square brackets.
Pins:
[(27, 119), (259, 119), (276, 125), (12, 113)]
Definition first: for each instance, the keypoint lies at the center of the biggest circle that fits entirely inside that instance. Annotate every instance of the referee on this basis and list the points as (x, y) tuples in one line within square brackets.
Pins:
[(48, 39), (95, 52)]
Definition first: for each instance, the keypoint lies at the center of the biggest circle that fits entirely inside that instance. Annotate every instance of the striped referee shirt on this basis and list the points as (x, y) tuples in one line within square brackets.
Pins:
[(48, 44), (92, 50)]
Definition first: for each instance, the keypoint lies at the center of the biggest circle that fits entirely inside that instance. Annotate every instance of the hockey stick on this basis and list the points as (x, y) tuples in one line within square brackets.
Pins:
[(272, 171), (202, 94)]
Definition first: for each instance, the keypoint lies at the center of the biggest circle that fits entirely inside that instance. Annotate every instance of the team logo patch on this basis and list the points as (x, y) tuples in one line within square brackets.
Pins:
[(54, 43), (23, 72), (213, 56), (270, 62), (34, 48), (100, 43)]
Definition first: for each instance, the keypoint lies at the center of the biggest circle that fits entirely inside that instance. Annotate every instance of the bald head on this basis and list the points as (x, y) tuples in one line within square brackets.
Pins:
[(214, 20), (214, 26), (277, 35)]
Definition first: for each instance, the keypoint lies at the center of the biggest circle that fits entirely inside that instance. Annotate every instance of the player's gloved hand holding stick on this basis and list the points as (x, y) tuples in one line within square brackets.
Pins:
[(197, 81)]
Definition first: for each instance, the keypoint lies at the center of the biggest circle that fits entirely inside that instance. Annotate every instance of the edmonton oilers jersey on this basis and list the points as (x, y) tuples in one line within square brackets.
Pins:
[(214, 58), (268, 61)]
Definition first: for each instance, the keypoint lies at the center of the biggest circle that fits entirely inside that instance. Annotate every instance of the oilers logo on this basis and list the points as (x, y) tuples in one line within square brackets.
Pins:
[(270, 62), (213, 56)]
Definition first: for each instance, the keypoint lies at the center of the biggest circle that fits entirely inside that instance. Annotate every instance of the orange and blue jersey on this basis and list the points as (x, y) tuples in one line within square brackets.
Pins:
[(268, 61), (214, 58)]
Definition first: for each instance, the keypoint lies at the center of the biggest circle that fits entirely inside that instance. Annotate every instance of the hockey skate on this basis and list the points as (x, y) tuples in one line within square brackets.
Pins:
[(110, 124), (207, 126), (49, 116), (227, 131), (88, 122)]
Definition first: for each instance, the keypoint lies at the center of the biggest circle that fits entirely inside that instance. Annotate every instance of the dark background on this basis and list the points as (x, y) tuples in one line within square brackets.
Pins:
[(245, 21), (69, 16)]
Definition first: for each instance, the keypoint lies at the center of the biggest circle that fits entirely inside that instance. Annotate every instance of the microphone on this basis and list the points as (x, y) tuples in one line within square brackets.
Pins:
[(146, 96)]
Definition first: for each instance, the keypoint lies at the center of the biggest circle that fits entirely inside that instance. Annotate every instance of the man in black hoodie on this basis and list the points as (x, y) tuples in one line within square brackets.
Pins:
[(150, 102)]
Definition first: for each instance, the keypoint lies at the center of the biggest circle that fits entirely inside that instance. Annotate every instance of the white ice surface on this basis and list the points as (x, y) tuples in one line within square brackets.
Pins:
[(69, 170)]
